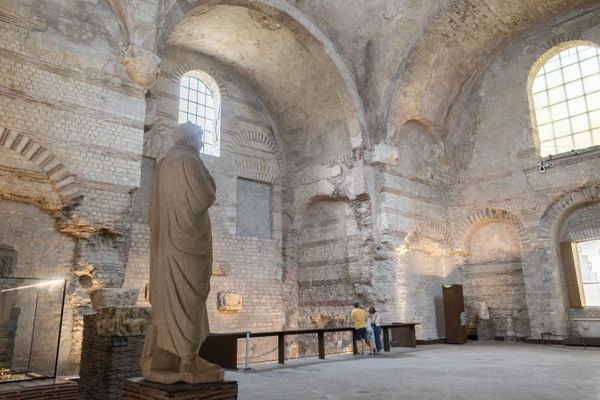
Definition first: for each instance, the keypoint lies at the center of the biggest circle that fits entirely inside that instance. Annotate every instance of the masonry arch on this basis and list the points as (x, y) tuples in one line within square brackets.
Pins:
[(254, 40), (570, 218), (62, 180), (559, 208), (478, 218), (273, 14), (422, 264), (463, 49), (492, 273)]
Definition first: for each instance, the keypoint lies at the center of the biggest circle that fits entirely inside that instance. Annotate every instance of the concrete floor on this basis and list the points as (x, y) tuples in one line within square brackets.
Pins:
[(493, 370)]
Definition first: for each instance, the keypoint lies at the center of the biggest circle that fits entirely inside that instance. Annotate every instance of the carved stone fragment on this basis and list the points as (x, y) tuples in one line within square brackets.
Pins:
[(123, 320), (229, 302)]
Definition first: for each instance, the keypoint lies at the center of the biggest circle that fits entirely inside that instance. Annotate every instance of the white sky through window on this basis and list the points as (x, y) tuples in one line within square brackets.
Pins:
[(589, 262), (566, 98), (197, 105)]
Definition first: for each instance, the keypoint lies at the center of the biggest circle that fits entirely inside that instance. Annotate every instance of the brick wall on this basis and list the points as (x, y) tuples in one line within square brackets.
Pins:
[(70, 127), (496, 157)]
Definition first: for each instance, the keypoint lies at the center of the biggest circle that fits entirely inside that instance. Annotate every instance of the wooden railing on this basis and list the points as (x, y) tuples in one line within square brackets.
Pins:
[(221, 348)]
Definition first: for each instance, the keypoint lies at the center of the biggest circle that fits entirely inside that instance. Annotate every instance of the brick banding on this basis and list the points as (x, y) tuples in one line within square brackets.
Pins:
[(61, 178)]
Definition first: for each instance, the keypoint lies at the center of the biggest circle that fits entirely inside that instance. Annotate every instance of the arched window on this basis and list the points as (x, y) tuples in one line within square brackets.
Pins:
[(565, 98), (199, 103)]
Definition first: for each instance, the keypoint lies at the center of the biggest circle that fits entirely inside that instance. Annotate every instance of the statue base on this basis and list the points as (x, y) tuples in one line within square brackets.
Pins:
[(139, 389), (166, 368)]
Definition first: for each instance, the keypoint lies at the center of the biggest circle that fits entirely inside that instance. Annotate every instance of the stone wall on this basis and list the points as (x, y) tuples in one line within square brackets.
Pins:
[(412, 218), (499, 178), (493, 275), (325, 260), (580, 224), (384, 164), (50, 259), (71, 128)]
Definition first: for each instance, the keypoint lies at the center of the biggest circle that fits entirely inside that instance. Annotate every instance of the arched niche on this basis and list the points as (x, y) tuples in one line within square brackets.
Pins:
[(493, 275), (421, 266), (580, 227)]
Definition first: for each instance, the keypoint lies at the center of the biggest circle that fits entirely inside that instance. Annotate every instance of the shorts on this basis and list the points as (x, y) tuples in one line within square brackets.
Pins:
[(360, 333)]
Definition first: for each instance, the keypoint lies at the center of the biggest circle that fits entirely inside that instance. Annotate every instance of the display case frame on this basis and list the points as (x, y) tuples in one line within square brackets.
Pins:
[(43, 301)]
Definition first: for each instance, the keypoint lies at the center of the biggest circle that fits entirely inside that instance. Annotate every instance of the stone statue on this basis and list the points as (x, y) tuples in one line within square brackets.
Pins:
[(484, 312), (180, 264)]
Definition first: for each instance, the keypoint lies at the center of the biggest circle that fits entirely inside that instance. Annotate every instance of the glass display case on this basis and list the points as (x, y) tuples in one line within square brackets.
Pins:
[(30, 322)]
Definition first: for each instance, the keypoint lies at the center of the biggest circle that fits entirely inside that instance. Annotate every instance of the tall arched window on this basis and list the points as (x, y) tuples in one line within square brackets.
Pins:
[(565, 98), (199, 103)]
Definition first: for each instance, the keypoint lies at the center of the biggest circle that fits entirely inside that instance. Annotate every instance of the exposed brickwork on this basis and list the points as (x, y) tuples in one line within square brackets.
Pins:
[(106, 361), (41, 390), (136, 389), (78, 140)]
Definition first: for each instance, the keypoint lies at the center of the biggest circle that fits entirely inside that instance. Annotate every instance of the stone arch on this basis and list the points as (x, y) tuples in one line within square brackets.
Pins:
[(430, 229), (295, 21), (254, 169), (482, 32), (59, 175), (247, 136), (560, 207), (175, 76), (481, 217)]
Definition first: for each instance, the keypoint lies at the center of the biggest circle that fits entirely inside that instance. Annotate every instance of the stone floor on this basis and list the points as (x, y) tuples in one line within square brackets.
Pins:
[(493, 370)]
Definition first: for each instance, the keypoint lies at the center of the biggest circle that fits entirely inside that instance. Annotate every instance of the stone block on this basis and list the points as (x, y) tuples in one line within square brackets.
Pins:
[(385, 154), (123, 321), (139, 389), (222, 268), (229, 302), (113, 297)]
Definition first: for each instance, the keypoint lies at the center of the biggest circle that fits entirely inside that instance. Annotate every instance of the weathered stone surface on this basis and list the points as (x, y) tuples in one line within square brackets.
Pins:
[(106, 361), (388, 146), (229, 302), (123, 320), (113, 297), (181, 262), (141, 65), (221, 268)]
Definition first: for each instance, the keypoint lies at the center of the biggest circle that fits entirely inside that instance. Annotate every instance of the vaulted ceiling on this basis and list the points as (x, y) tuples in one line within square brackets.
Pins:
[(347, 73)]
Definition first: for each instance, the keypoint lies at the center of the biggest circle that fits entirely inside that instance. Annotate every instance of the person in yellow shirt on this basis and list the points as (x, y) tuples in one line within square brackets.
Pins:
[(359, 320)]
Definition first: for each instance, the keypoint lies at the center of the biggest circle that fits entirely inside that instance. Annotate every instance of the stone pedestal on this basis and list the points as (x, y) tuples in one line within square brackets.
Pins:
[(113, 340), (139, 389)]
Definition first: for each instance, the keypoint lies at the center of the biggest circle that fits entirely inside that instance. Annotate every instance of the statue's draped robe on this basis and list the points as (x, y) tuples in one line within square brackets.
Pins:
[(180, 250)]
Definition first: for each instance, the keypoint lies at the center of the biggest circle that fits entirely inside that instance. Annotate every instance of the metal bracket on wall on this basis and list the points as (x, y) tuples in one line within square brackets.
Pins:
[(543, 165)]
